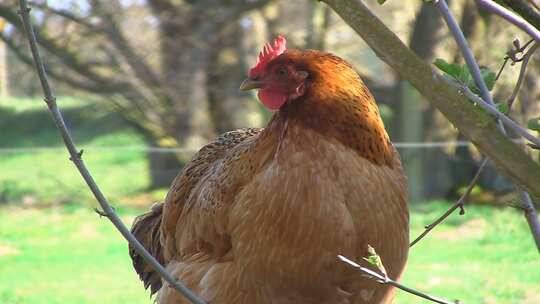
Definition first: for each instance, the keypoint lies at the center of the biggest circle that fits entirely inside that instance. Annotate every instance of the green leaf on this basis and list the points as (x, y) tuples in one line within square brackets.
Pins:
[(502, 107), (489, 78), (462, 75), (534, 124), (381, 2), (451, 69), (375, 260), (456, 71)]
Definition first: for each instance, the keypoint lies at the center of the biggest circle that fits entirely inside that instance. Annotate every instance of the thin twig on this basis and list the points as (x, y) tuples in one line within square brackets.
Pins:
[(487, 102), (459, 204), (521, 76), (100, 213), (512, 55), (77, 160), (536, 6), (493, 111), (453, 25), (511, 17), (463, 199), (524, 9), (532, 218), (502, 68), (526, 202), (387, 281)]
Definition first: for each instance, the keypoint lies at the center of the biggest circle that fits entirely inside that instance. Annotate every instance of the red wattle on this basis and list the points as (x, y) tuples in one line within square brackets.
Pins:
[(272, 99)]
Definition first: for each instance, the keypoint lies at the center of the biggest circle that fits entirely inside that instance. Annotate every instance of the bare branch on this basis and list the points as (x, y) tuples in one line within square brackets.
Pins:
[(531, 215), (463, 199), (522, 72), (136, 62), (511, 17), (68, 56), (491, 109), (487, 103), (69, 79), (459, 204), (385, 280), (133, 92), (525, 11), (63, 13), (533, 3), (513, 54), (77, 160)]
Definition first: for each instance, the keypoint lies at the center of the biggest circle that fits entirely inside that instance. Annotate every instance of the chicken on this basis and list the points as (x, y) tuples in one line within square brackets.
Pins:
[(260, 215)]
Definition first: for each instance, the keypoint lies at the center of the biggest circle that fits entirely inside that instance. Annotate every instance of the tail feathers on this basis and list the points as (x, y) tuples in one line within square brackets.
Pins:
[(146, 228)]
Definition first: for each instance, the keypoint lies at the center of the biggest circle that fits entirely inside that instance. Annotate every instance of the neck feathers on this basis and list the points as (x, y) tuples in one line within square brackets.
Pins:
[(339, 106)]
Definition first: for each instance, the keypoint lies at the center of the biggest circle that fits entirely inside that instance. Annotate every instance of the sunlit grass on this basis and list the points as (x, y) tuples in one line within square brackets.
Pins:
[(48, 176), (484, 256), (70, 255), (64, 256)]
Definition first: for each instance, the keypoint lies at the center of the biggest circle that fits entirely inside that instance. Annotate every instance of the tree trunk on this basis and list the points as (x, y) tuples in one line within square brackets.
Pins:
[(318, 22), (163, 167), (184, 61), (231, 109), (413, 110), (3, 70), (184, 64)]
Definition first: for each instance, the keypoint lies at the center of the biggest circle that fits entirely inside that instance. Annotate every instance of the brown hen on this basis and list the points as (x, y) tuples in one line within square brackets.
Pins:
[(260, 215)]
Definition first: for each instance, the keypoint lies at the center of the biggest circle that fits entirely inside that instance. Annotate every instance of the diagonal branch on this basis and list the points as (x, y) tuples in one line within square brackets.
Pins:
[(463, 199), (511, 17), (137, 63), (524, 10), (76, 157), (68, 56), (474, 124), (524, 62), (487, 102), (90, 86), (459, 204), (63, 13)]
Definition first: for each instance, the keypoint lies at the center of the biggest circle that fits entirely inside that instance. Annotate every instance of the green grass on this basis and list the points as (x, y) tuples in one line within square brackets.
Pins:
[(64, 256), (484, 256), (70, 255), (48, 176)]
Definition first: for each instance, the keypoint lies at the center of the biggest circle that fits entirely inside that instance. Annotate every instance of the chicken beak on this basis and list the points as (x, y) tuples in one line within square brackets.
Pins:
[(250, 84)]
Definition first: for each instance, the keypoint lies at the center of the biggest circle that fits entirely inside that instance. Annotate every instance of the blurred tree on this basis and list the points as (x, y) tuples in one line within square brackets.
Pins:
[(164, 65), (415, 117), (3, 66), (318, 23), (3, 72)]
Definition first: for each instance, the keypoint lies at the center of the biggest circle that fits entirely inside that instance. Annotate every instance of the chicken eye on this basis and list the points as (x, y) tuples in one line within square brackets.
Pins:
[(282, 72)]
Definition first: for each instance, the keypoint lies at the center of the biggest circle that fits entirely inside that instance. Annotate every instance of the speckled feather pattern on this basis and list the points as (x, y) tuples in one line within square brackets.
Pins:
[(260, 215)]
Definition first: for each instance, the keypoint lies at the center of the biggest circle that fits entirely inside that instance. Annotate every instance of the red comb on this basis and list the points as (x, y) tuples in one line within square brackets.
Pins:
[(268, 53)]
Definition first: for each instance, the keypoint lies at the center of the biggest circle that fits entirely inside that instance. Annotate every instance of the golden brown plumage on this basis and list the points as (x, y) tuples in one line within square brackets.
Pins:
[(260, 215)]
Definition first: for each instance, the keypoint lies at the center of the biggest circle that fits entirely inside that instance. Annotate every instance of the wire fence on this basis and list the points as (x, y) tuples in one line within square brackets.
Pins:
[(149, 149)]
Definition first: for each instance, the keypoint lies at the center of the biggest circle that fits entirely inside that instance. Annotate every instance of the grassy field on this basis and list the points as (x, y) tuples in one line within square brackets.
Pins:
[(47, 177), (55, 249), (70, 255)]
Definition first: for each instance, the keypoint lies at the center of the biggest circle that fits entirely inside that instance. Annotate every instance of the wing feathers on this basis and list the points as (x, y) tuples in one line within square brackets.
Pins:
[(146, 228)]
